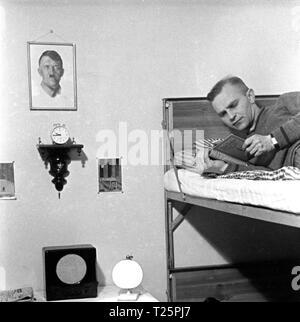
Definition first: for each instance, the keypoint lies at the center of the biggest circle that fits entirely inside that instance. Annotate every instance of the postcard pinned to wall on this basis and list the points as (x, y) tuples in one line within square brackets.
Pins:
[(7, 181), (110, 175)]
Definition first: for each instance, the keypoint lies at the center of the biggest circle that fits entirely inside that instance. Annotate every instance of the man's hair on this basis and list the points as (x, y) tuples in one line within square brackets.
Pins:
[(53, 55), (232, 80)]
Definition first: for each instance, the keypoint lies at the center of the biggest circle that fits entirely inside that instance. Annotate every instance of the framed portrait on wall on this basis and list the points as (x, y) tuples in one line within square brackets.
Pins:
[(7, 180), (52, 76)]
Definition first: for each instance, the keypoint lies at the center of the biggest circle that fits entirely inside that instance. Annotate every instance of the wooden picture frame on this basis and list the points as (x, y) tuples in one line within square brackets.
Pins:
[(52, 76)]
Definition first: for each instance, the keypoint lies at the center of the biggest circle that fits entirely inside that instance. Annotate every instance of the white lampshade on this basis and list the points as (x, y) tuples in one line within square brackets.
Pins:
[(127, 274)]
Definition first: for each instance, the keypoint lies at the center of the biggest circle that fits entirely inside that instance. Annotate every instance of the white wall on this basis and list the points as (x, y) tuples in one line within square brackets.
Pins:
[(129, 56)]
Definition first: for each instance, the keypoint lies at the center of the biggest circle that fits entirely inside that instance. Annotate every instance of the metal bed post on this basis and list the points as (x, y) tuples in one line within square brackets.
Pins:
[(170, 247), (171, 225)]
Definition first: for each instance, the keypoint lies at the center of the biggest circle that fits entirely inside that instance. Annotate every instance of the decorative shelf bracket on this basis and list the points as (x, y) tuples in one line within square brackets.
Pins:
[(59, 157)]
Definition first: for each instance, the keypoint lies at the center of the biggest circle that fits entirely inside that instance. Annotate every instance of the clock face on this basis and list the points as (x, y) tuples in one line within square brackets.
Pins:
[(60, 135)]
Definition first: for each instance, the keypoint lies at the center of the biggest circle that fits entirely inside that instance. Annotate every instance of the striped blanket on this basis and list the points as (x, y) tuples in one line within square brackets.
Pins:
[(284, 173)]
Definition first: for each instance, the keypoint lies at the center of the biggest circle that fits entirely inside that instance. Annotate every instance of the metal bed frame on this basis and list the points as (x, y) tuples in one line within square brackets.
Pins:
[(183, 113)]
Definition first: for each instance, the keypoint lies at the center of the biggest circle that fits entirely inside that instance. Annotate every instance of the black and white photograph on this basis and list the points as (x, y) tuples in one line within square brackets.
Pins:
[(109, 175), (156, 154), (52, 76), (7, 180)]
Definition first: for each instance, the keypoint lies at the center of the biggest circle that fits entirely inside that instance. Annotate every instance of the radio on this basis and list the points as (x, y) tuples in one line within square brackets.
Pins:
[(70, 272)]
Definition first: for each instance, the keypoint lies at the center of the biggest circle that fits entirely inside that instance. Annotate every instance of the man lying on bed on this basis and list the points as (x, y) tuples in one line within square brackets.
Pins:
[(271, 132)]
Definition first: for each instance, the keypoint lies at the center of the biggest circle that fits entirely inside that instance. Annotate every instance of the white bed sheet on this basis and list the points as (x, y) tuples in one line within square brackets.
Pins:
[(279, 195)]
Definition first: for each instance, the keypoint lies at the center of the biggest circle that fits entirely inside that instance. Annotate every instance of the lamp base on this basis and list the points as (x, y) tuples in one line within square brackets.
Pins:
[(127, 295)]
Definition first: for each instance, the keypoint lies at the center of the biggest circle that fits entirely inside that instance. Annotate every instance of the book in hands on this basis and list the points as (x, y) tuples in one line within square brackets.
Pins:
[(228, 150)]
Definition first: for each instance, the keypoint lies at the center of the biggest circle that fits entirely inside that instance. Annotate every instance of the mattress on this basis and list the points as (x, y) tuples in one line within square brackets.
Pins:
[(278, 195)]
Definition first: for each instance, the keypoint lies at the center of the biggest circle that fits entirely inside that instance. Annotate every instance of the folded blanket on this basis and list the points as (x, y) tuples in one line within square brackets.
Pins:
[(284, 173)]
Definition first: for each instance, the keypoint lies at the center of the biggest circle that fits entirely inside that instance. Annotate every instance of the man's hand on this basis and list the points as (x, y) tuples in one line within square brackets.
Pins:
[(216, 166), (187, 160), (258, 144), (200, 163)]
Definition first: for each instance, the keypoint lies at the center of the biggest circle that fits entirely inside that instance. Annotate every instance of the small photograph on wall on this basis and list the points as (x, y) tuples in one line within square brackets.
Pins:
[(109, 175), (7, 181), (52, 76)]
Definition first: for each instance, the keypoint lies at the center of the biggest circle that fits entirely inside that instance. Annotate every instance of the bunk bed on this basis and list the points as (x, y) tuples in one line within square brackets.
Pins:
[(184, 119)]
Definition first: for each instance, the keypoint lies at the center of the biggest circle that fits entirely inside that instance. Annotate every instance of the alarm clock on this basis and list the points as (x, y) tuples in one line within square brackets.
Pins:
[(60, 134), (70, 272)]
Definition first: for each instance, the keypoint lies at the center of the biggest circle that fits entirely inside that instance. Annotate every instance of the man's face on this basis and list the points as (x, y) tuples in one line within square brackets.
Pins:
[(51, 72), (234, 107)]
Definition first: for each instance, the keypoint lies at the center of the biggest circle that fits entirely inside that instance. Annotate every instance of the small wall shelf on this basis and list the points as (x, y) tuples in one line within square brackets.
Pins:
[(59, 157)]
